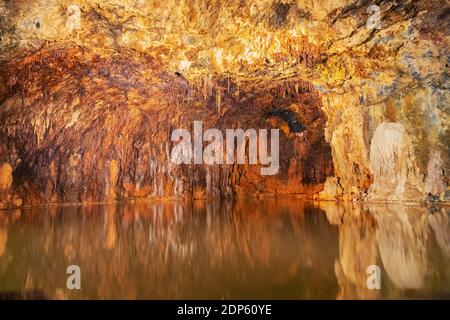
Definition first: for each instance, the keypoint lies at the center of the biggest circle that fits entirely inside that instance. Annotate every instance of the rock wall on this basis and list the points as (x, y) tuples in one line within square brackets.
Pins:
[(84, 84), (104, 132)]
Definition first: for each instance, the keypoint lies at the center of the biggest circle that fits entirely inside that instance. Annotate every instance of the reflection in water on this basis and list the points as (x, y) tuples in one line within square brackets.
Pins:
[(408, 242), (277, 248)]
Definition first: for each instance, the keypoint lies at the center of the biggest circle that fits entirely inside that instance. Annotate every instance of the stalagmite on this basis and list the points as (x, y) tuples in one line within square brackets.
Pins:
[(218, 100)]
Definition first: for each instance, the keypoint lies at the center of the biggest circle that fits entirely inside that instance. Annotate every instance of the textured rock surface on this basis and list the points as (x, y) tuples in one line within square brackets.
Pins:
[(104, 133), (87, 105), (392, 164)]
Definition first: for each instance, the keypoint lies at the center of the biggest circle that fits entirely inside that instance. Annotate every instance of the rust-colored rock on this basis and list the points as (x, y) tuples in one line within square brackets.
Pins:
[(103, 133), (91, 90)]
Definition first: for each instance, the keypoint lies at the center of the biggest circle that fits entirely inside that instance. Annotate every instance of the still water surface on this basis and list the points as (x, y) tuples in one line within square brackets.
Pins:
[(248, 249)]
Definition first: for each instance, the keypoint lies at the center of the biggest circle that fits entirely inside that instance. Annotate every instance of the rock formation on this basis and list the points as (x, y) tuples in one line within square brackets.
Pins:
[(90, 92)]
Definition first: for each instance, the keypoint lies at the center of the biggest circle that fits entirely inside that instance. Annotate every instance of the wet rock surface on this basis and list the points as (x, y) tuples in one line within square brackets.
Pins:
[(91, 90), (104, 132)]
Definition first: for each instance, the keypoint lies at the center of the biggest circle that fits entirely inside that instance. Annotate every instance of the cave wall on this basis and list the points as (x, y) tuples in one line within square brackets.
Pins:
[(80, 97), (104, 132)]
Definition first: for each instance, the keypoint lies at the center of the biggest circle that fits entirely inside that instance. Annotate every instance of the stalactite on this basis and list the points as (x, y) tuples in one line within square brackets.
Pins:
[(75, 92), (219, 97)]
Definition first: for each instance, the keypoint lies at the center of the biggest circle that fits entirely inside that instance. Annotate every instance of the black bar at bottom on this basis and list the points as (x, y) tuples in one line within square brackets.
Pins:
[(227, 309)]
